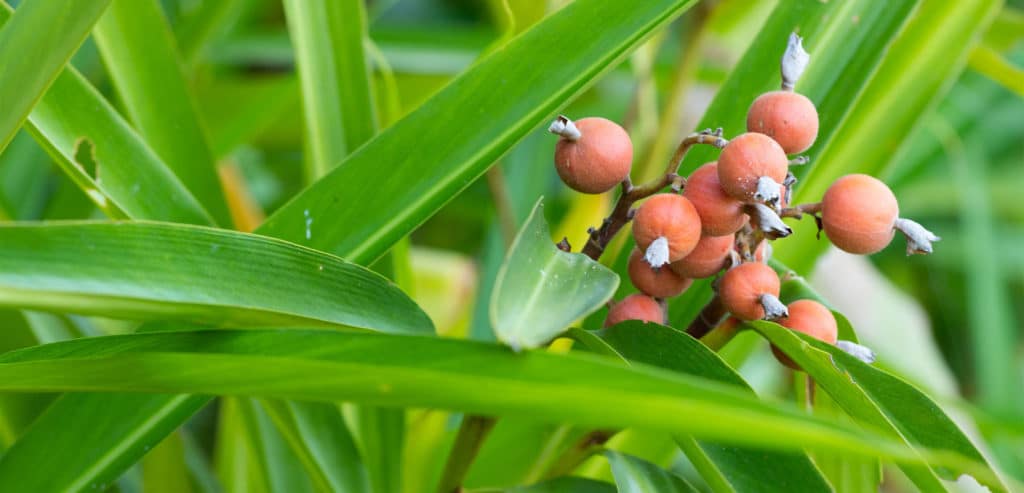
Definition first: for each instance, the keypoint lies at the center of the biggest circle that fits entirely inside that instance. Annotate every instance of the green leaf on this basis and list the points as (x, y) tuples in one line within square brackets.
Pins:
[(633, 475), (164, 469), (567, 484), (439, 149), (540, 289), (35, 45), (283, 470), (123, 441), (992, 64), (139, 53), (730, 468), (418, 371), (98, 150), (885, 402), (337, 100), (155, 271), (915, 70), (319, 437)]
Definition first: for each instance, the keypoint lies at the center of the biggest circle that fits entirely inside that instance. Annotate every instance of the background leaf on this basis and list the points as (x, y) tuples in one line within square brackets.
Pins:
[(34, 46), (139, 53), (540, 289)]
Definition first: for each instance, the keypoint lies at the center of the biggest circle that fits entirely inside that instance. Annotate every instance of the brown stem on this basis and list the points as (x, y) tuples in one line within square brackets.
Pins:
[(586, 446), (707, 319), (798, 211), (622, 213)]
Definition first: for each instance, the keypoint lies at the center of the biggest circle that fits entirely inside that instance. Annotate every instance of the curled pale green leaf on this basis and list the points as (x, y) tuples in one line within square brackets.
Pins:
[(540, 289)]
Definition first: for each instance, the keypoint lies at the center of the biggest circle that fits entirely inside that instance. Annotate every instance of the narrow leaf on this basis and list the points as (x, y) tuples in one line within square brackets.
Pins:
[(742, 469), (35, 45), (100, 152), (634, 475), (317, 434), (139, 53), (540, 289), (153, 271), (328, 37), (878, 399), (439, 149), (428, 372)]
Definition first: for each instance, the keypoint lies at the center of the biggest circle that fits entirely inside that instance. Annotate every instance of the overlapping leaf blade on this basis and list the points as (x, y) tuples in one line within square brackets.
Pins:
[(485, 111), (426, 372), (736, 469), (139, 52), (879, 399), (34, 47), (155, 271)]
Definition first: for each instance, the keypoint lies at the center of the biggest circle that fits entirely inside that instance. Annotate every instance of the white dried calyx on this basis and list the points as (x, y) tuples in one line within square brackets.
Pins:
[(657, 252), (794, 61), (919, 239), (564, 127), (774, 308)]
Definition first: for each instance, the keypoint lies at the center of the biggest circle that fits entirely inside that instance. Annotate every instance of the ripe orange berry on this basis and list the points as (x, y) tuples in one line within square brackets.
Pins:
[(789, 118), (719, 213), (747, 158), (858, 213), (635, 307), (660, 283), (598, 160), (811, 318), (671, 216), (742, 287), (706, 259)]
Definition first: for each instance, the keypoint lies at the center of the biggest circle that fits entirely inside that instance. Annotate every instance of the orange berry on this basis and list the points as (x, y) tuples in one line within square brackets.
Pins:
[(660, 283), (635, 307), (789, 118), (811, 318), (747, 158), (670, 216), (598, 160), (742, 287), (706, 259), (858, 213), (720, 214)]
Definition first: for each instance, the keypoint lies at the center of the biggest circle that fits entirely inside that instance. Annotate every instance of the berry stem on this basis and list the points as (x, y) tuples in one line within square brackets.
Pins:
[(798, 211), (621, 214)]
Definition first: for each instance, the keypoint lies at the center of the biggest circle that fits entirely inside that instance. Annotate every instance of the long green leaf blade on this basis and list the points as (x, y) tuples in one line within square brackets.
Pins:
[(34, 47), (318, 436), (520, 85), (427, 372), (880, 400), (155, 271), (139, 53), (739, 468), (337, 101)]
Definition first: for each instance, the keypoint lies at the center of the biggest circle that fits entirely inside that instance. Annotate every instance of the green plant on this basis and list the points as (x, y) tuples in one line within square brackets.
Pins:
[(249, 245)]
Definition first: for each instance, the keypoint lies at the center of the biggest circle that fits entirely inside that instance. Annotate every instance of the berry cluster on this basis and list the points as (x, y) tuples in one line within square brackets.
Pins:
[(723, 216)]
